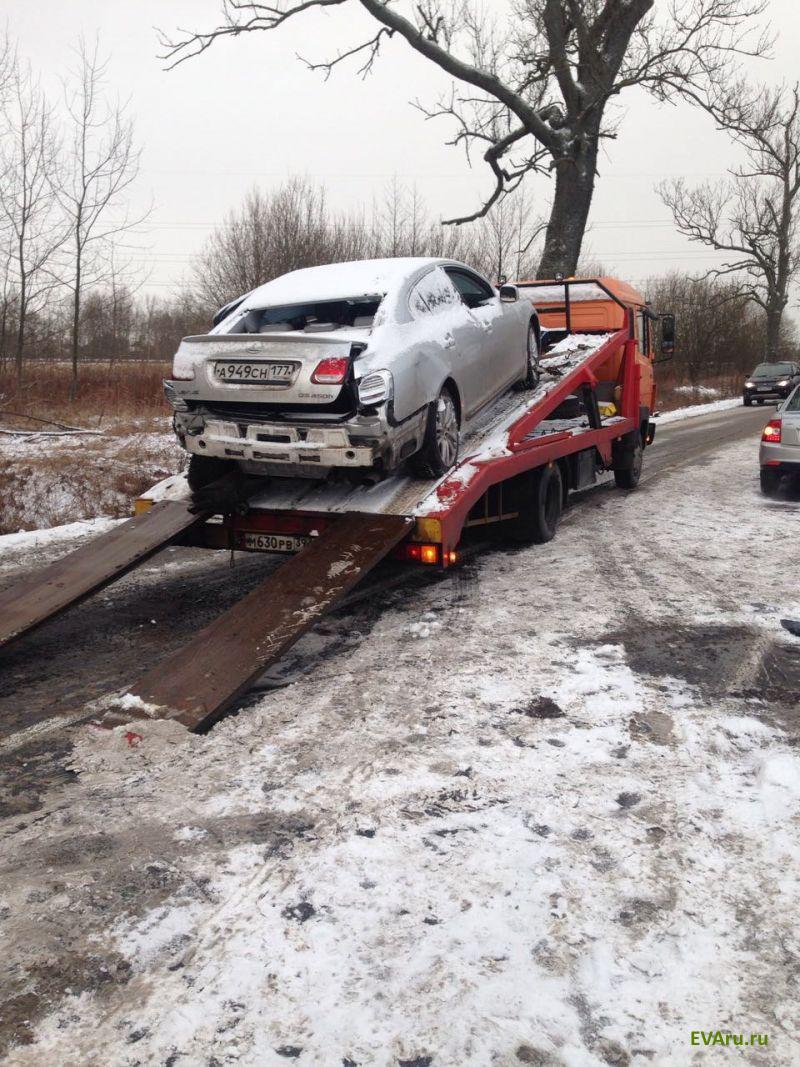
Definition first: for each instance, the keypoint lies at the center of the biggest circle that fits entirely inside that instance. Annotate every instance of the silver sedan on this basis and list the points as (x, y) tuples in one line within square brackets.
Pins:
[(361, 366), (779, 454)]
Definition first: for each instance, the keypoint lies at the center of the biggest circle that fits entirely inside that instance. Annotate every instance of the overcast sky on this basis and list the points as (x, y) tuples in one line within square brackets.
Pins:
[(247, 111)]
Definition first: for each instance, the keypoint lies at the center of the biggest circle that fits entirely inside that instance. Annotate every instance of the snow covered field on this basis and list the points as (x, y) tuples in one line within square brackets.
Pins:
[(543, 812)]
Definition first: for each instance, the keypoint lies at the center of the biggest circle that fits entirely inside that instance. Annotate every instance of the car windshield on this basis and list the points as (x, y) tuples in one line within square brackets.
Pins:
[(772, 370), (310, 318), (793, 403)]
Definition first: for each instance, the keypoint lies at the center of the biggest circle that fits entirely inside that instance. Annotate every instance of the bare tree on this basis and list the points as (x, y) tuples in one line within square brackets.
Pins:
[(100, 164), (532, 89), (270, 234), (753, 214), (27, 204), (506, 237)]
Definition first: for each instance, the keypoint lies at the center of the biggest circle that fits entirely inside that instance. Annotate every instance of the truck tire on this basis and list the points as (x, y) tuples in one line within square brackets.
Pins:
[(439, 450), (770, 480), (540, 503), (533, 370), (203, 470), (631, 455)]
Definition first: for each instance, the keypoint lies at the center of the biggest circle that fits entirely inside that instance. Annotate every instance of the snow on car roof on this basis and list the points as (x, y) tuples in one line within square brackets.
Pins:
[(336, 281)]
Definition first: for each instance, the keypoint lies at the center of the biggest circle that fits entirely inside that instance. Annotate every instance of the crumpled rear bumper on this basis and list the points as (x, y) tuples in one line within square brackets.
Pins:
[(318, 446)]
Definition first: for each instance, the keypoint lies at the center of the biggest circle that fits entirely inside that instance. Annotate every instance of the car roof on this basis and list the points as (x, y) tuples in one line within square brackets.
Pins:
[(338, 281)]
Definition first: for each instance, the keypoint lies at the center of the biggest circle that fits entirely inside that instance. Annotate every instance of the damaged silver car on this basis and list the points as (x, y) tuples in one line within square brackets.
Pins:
[(355, 367)]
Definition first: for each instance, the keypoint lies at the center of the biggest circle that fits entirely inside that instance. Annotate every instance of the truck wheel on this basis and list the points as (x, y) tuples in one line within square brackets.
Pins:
[(203, 470), (439, 450), (770, 480), (533, 371), (541, 501), (628, 476)]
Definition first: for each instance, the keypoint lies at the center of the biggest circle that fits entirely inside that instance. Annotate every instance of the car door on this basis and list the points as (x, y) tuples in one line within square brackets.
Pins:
[(498, 358), (450, 335)]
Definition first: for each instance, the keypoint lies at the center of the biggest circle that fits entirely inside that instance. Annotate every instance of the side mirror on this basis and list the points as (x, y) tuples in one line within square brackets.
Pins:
[(509, 294), (668, 334)]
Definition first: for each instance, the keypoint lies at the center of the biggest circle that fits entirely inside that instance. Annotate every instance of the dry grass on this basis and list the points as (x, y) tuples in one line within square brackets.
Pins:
[(47, 481), (126, 389), (717, 388)]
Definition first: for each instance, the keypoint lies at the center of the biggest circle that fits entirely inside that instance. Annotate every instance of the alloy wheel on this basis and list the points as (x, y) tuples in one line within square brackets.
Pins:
[(447, 429)]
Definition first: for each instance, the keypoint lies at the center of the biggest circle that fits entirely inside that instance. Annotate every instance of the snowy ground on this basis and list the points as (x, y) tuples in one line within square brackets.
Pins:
[(544, 812), (48, 480)]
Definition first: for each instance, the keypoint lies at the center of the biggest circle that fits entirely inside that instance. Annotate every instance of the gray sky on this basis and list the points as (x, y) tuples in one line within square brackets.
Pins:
[(248, 111)]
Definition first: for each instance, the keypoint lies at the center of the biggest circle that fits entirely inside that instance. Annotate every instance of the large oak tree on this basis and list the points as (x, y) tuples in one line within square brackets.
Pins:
[(532, 85)]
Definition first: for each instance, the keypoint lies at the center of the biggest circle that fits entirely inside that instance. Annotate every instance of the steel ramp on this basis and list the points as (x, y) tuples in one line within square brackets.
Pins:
[(199, 682), (40, 596)]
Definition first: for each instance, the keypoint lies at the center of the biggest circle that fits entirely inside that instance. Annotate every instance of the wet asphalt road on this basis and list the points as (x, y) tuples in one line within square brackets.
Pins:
[(103, 644)]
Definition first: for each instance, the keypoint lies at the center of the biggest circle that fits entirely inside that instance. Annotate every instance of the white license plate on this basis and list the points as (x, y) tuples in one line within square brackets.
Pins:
[(262, 542), (255, 373), (764, 389)]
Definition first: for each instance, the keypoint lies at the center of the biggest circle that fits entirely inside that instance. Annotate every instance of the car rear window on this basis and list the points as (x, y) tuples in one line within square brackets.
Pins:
[(793, 403), (310, 318), (772, 370)]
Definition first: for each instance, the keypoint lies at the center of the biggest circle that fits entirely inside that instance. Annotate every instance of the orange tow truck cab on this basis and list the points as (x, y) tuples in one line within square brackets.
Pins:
[(600, 305)]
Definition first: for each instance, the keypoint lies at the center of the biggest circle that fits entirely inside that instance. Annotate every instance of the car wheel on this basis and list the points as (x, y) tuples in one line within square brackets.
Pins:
[(747, 401), (439, 450), (628, 476), (770, 480), (540, 501), (203, 470), (759, 401), (533, 369)]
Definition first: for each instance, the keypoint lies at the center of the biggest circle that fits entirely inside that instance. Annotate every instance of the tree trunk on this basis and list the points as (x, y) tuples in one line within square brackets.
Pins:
[(774, 316), (23, 313), (75, 340), (569, 214)]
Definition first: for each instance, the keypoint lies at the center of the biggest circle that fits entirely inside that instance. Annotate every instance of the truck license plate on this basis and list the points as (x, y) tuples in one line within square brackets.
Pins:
[(255, 373), (262, 542)]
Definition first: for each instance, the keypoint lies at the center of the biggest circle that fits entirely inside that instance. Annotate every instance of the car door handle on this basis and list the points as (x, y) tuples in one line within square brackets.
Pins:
[(449, 341)]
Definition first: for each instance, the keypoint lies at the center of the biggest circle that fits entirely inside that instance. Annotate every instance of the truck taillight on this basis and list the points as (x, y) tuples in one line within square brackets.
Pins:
[(772, 432), (330, 371)]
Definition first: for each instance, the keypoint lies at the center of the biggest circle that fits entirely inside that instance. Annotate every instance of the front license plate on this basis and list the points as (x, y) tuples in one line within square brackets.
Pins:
[(259, 542), (255, 373), (764, 389)]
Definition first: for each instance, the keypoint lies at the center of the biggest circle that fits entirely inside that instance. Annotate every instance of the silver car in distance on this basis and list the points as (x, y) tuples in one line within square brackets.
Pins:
[(352, 366)]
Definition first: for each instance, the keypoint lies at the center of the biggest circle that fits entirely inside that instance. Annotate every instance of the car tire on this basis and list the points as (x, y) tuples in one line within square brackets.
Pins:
[(540, 502), (203, 470), (747, 401), (439, 451), (533, 369), (770, 480), (630, 454), (759, 401)]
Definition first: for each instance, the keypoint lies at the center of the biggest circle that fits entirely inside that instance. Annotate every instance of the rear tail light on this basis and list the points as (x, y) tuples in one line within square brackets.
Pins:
[(432, 554), (772, 432), (330, 371), (183, 366)]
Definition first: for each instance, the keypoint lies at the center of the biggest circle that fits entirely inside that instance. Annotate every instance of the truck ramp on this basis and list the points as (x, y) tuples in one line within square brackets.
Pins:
[(40, 596), (197, 684)]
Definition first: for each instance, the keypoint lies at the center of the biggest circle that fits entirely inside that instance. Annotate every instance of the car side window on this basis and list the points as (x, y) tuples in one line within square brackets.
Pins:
[(474, 291), (432, 294)]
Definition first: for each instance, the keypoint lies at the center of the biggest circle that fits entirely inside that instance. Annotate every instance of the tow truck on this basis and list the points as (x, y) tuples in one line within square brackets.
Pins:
[(589, 414)]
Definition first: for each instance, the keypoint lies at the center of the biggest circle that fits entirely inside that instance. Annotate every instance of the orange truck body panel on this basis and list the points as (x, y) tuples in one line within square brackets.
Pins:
[(603, 315)]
